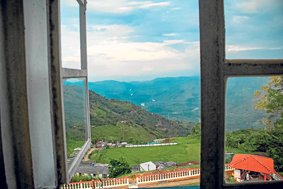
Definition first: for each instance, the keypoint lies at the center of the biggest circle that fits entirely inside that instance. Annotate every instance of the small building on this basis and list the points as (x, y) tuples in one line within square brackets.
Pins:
[(147, 166), (160, 164), (135, 168), (94, 169), (170, 164), (101, 144), (250, 167)]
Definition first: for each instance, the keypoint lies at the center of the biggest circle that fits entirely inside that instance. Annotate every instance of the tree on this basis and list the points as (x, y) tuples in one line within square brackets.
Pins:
[(270, 99), (196, 130), (118, 167)]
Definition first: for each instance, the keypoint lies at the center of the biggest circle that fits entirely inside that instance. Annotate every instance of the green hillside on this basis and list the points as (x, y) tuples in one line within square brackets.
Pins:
[(74, 109), (123, 132), (105, 111)]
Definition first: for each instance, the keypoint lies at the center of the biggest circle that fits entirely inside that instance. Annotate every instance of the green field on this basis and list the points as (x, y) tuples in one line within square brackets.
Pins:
[(188, 149)]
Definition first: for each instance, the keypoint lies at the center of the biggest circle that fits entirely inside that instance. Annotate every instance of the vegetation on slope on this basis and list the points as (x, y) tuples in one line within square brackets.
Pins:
[(126, 132), (110, 112), (74, 109)]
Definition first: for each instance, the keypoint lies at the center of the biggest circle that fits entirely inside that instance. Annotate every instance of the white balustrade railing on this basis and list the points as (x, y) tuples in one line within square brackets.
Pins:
[(167, 175), (172, 175), (140, 178), (106, 184)]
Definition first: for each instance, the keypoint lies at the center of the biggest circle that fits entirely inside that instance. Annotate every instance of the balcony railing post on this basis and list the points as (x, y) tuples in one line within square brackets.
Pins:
[(81, 184)]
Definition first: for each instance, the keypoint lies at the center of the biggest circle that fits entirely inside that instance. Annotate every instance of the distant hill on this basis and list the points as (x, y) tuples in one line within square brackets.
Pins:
[(111, 112), (179, 98), (107, 115)]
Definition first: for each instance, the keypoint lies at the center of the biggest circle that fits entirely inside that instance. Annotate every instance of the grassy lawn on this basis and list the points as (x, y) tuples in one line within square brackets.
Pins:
[(188, 149)]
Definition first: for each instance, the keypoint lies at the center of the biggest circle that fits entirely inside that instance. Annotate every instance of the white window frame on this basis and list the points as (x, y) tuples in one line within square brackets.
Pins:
[(30, 54), (68, 73), (215, 70)]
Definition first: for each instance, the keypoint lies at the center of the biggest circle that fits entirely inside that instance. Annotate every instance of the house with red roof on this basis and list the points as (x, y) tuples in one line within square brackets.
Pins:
[(249, 167)]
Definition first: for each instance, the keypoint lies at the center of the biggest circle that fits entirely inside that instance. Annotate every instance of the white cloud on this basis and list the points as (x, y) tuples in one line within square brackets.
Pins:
[(195, 109), (138, 2), (253, 6), (111, 53), (239, 19), (70, 46), (117, 6), (121, 6), (169, 34), (235, 48), (135, 51), (176, 8), (148, 5)]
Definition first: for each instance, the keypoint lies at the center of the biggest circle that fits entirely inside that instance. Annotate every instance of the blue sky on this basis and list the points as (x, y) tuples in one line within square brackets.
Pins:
[(142, 40)]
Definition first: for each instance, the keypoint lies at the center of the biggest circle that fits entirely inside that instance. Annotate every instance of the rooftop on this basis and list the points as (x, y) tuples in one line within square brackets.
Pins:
[(98, 168)]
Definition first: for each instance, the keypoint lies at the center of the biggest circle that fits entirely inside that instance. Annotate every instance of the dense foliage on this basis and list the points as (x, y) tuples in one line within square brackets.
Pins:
[(118, 167), (196, 131), (270, 139), (265, 142)]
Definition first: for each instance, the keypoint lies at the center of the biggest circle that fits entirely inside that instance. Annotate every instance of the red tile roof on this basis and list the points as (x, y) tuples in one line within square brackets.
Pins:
[(253, 163)]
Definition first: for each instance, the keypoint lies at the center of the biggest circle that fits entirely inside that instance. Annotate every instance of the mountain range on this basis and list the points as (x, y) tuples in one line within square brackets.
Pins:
[(178, 98)]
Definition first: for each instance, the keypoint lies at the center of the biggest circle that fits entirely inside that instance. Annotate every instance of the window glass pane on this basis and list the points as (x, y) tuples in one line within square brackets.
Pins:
[(253, 129), (254, 29), (75, 116), (70, 34)]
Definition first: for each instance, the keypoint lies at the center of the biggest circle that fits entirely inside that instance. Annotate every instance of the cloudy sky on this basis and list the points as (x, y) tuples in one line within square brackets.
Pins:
[(131, 40)]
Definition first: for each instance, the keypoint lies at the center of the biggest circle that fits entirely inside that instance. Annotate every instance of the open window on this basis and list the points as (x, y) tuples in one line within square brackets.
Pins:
[(75, 89), (34, 136)]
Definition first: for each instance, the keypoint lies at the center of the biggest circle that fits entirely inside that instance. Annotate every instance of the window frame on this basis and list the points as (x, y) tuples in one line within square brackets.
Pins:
[(68, 73), (20, 151), (215, 70)]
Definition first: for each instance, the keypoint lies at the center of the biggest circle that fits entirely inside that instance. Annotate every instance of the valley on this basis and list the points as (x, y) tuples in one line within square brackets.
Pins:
[(179, 98)]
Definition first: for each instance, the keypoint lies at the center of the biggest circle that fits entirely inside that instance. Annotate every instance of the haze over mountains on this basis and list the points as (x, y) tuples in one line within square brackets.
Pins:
[(179, 98)]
